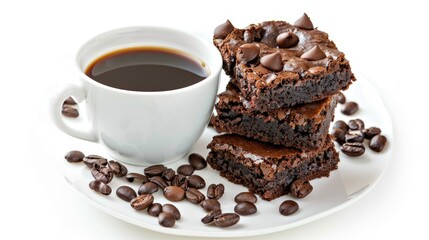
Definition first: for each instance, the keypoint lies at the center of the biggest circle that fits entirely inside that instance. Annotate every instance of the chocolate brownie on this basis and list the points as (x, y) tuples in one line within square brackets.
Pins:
[(302, 126), (276, 64), (266, 169)]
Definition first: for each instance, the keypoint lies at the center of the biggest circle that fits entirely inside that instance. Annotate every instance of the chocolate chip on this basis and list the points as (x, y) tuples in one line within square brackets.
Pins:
[(148, 188), (100, 187), (223, 30), (171, 209), (166, 219), (196, 181), (341, 125), (137, 177), (117, 168), (353, 149), (101, 173), (70, 101), (371, 132), (194, 195), (300, 188), (142, 202), (154, 170), (226, 219), (185, 170), (304, 22), (174, 193), (247, 52), (288, 207), (210, 205), (69, 111), (245, 208), (350, 108), (197, 161), (245, 197), (377, 143), (272, 61), (287, 40), (209, 218), (155, 209), (341, 98), (126, 193), (74, 156), (340, 136), (314, 54), (92, 160)]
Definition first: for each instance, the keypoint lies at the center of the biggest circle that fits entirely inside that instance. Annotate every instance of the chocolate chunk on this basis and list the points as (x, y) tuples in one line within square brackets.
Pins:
[(304, 23), (287, 40), (272, 61), (247, 52), (314, 54), (223, 30)]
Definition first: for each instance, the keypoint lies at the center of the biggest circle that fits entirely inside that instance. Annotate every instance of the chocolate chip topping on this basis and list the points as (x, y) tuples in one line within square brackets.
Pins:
[(287, 40), (304, 23), (314, 54), (223, 30), (247, 52), (272, 61)]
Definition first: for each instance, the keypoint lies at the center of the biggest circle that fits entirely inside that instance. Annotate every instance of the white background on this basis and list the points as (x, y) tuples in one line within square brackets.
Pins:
[(384, 40)]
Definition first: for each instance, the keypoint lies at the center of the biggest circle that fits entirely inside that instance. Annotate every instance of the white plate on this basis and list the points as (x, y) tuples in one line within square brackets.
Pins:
[(355, 177)]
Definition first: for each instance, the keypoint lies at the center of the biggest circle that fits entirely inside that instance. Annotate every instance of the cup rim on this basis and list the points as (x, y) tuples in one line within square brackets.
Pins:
[(214, 70)]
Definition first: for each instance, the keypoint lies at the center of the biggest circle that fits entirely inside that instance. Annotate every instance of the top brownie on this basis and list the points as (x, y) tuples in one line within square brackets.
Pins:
[(276, 64)]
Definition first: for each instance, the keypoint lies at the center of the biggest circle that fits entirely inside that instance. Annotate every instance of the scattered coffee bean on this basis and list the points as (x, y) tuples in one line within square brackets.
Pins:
[(209, 218), (341, 98), (171, 209), (354, 136), (166, 219), (74, 156), (340, 136), (69, 111), (197, 161), (210, 205), (147, 188), (245, 197), (154, 170), (226, 219), (300, 188), (178, 180), (174, 193), (185, 170), (70, 101), (100, 187), (377, 143), (142, 202), (196, 181), (92, 160), (155, 209), (245, 208), (126, 193), (117, 168), (159, 181), (103, 174), (340, 124), (168, 174), (371, 132), (288, 207), (137, 177), (356, 124), (194, 195), (353, 149), (350, 108), (215, 191)]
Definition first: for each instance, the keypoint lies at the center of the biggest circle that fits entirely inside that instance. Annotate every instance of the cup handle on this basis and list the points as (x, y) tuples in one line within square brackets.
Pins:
[(56, 103)]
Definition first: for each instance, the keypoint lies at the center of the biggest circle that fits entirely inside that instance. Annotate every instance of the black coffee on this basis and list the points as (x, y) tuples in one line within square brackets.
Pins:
[(148, 69)]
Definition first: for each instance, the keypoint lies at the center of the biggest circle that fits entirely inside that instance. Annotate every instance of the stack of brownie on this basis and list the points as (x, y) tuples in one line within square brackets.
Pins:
[(275, 113)]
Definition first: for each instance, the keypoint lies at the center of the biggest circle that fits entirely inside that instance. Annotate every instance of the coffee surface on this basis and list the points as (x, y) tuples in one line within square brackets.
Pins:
[(148, 69)]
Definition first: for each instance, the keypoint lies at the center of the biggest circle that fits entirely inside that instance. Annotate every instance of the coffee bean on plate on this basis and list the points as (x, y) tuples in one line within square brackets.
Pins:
[(168, 174), (356, 124), (174, 193), (155, 209), (74, 156), (245, 197), (100, 187), (341, 98), (147, 188), (354, 136), (300, 188), (117, 168), (245, 208), (349, 108), (171, 209), (209, 218), (154, 170), (126, 193), (288, 207), (194, 195), (371, 132), (226, 219), (103, 174), (92, 160), (166, 219), (159, 181), (70, 101), (197, 161), (131, 177), (178, 180), (185, 170), (142, 202), (69, 111), (340, 136), (377, 143), (196, 181), (353, 149), (215, 191), (340, 124), (210, 205)]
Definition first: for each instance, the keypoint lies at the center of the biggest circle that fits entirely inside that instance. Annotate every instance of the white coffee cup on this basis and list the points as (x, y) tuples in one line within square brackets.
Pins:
[(142, 128)]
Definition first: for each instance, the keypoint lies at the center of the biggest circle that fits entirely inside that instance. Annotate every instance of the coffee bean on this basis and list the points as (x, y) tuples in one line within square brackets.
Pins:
[(147, 188), (185, 170), (196, 181), (215, 191), (100, 187), (288, 207), (340, 124), (154, 170), (168, 174), (137, 177), (155, 209), (171, 209), (245, 208), (92, 160), (340, 136), (159, 181), (103, 174), (354, 136), (142, 202), (226, 219), (178, 180), (300, 188), (174, 193), (350, 108), (126, 193), (341, 99), (209, 218), (166, 219), (70, 101), (360, 123), (356, 124), (197, 161), (377, 143), (353, 149), (69, 111), (194, 195), (210, 205), (245, 197), (74, 156), (117, 168), (371, 132)]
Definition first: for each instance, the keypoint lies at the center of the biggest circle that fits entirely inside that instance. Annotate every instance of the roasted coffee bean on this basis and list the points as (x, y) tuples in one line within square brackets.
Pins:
[(154, 170), (350, 108), (194, 195), (353, 149), (341, 99), (356, 124), (245, 197), (209, 218), (371, 132), (354, 136), (100, 187), (226, 219), (168, 174), (178, 180), (147, 188), (288, 207), (377, 143), (196, 181), (131, 177), (126, 193), (174, 193), (103, 174), (74, 156), (142, 202), (92, 160), (70, 101), (159, 181), (185, 170), (215, 191), (245, 208), (69, 111), (155, 209), (171, 209), (340, 124), (210, 205), (300, 188), (197, 161), (117, 168), (166, 219), (340, 136)]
